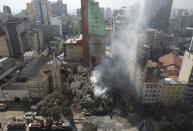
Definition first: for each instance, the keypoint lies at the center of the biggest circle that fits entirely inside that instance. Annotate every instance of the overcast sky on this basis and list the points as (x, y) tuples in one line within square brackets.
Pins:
[(17, 5)]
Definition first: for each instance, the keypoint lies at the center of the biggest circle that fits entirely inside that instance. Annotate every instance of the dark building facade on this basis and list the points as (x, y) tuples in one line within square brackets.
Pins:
[(14, 28), (157, 13), (49, 32)]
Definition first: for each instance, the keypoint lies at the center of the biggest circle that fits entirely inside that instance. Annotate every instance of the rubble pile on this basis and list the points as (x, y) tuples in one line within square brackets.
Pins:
[(84, 99)]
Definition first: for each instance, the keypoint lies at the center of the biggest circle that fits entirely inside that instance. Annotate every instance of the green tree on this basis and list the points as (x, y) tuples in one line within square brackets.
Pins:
[(54, 106), (89, 127)]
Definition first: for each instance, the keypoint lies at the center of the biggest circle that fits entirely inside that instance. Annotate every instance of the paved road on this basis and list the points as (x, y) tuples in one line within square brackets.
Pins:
[(15, 109)]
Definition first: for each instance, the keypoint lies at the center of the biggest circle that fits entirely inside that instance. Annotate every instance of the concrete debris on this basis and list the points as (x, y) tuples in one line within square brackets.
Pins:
[(84, 99)]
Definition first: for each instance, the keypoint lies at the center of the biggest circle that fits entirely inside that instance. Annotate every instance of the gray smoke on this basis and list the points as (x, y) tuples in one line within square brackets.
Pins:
[(118, 73)]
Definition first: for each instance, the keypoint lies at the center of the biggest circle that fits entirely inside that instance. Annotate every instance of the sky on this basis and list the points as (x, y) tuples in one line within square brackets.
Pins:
[(18, 5)]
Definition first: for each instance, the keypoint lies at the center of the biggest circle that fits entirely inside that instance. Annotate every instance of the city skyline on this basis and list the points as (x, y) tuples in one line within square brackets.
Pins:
[(17, 6)]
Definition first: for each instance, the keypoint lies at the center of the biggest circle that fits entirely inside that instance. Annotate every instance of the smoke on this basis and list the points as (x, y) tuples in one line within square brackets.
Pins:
[(119, 72)]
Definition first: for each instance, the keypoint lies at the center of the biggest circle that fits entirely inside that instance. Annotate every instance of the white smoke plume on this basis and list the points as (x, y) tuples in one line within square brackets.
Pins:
[(119, 72)]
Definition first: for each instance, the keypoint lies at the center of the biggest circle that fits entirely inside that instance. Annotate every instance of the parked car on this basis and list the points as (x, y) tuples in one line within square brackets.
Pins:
[(30, 114), (36, 127), (16, 125), (33, 107), (60, 126)]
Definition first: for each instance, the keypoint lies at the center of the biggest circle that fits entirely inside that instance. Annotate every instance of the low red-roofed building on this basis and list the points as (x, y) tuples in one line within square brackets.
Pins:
[(171, 65)]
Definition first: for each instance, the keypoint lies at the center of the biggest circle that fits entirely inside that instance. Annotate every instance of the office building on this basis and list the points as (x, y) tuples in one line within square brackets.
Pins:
[(127, 18), (73, 49), (93, 31), (186, 73), (7, 11), (33, 40), (42, 10), (174, 24), (156, 42), (173, 91), (14, 29), (49, 32), (59, 9), (56, 20), (108, 14), (157, 13), (152, 87), (102, 11)]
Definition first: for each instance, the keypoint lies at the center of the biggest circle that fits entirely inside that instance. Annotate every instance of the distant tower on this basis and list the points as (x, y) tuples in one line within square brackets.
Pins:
[(108, 14), (56, 76), (7, 11), (42, 10), (59, 9)]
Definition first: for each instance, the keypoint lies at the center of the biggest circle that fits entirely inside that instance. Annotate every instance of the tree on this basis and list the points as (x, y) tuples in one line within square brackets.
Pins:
[(89, 127), (54, 106)]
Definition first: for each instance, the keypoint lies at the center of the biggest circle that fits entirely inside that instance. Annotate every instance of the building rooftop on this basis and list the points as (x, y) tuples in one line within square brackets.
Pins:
[(172, 81), (29, 53), (170, 59), (40, 76), (152, 78), (3, 59), (16, 86), (73, 40)]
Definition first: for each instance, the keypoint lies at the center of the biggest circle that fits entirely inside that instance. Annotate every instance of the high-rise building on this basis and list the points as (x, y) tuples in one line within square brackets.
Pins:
[(93, 30), (108, 14), (186, 72), (58, 8), (127, 18), (156, 42), (79, 19), (56, 20), (42, 10), (49, 32), (157, 13), (14, 28), (7, 11), (172, 91), (103, 11)]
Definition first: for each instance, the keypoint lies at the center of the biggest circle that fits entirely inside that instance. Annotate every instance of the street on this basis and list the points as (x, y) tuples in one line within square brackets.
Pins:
[(15, 110)]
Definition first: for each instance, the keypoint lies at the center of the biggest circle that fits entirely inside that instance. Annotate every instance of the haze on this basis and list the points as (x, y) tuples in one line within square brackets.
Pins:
[(18, 5)]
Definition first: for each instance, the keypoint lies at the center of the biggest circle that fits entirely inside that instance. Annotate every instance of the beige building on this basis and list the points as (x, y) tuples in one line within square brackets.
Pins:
[(15, 92), (37, 39), (73, 49), (38, 85), (57, 45), (32, 40), (186, 74), (30, 9), (173, 91), (186, 68), (4, 52)]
